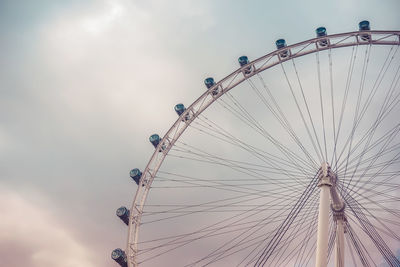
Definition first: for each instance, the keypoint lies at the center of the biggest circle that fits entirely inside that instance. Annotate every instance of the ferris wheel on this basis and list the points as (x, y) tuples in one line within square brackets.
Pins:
[(291, 160)]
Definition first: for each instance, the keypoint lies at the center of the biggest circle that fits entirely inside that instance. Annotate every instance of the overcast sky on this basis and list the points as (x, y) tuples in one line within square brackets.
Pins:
[(84, 83)]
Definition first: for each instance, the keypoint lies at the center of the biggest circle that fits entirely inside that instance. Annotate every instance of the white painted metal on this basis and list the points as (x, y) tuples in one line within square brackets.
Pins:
[(323, 217), (337, 206), (232, 80), (327, 184), (339, 246)]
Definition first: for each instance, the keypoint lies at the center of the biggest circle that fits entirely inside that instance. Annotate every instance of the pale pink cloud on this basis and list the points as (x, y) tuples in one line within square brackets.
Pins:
[(31, 236)]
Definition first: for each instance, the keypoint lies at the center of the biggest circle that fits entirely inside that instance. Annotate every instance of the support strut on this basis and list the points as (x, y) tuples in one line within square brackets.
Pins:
[(323, 217), (327, 184)]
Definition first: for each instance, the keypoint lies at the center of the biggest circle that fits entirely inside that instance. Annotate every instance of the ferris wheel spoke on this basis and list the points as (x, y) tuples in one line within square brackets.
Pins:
[(344, 100), (260, 174), (305, 243), (272, 244), (384, 140), (209, 233), (349, 245), (383, 166), (300, 226), (387, 255), (358, 245), (356, 112), (382, 113), (261, 130), (378, 81), (371, 148), (366, 171), (331, 85), (220, 253), (318, 150), (255, 208), (371, 231), (257, 244), (368, 203), (293, 233), (254, 151), (224, 255), (212, 231), (229, 187), (321, 104), (292, 161), (371, 131), (383, 196), (279, 115), (195, 151), (282, 192), (332, 238), (390, 134)]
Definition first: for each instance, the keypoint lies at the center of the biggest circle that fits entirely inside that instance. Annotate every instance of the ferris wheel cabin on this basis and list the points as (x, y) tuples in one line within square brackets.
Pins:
[(123, 214), (364, 26), (136, 174), (243, 60), (179, 109), (155, 140), (119, 256), (209, 82), (321, 32), (281, 44)]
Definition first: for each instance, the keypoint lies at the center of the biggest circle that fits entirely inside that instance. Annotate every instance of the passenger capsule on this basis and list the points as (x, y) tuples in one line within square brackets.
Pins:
[(243, 60), (119, 256), (281, 43), (155, 140), (321, 31), (135, 174), (123, 214), (179, 109), (209, 82), (364, 26)]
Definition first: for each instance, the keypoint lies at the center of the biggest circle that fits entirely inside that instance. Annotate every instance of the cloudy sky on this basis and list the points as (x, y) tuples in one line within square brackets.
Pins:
[(83, 85)]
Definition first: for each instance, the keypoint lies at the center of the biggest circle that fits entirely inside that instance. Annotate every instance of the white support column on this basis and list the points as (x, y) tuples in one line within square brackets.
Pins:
[(337, 207), (323, 224), (339, 255), (323, 217)]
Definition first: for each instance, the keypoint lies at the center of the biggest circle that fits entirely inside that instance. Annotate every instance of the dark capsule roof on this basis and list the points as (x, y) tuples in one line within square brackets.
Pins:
[(117, 253), (121, 211), (135, 172), (321, 31), (179, 109), (280, 43), (154, 137), (364, 25), (243, 60), (209, 82)]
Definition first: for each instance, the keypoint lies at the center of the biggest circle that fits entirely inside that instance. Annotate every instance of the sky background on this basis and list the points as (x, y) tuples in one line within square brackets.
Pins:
[(83, 84)]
